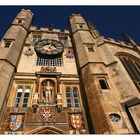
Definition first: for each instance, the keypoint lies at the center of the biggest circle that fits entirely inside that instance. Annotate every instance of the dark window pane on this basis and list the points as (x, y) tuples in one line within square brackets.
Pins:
[(19, 94), (90, 49), (25, 100), (77, 105), (68, 100), (76, 101), (24, 105), (75, 94), (26, 94), (103, 84), (68, 105), (7, 45), (17, 100), (68, 90), (68, 95)]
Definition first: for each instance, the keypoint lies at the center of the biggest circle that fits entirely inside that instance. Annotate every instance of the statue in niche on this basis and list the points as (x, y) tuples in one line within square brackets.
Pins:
[(48, 92)]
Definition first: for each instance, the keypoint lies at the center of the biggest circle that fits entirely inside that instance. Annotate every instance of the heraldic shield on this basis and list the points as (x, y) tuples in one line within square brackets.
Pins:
[(76, 121), (15, 121)]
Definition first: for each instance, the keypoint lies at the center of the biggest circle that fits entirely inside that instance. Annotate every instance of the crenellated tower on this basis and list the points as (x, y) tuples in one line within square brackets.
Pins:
[(100, 73), (10, 51)]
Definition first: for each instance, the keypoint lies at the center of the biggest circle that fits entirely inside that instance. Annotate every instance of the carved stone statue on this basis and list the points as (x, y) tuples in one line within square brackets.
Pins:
[(35, 102), (48, 91)]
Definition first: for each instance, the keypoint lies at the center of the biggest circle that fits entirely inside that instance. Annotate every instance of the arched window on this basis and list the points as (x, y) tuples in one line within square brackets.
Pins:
[(18, 97), (69, 97), (26, 97), (76, 97), (72, 97), (22, 97), (132, 66)]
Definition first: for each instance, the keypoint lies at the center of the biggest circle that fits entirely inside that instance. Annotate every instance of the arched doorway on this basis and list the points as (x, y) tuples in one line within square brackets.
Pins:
[(47, 130)]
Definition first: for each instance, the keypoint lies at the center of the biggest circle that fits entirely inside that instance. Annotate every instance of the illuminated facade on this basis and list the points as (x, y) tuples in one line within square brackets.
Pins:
[(67, 82)]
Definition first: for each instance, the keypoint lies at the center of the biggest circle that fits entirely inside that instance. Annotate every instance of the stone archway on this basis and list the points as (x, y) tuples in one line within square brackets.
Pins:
[(46, 130)]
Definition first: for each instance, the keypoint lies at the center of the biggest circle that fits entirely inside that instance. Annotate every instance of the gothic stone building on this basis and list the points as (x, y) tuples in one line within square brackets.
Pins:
[(74, 81)]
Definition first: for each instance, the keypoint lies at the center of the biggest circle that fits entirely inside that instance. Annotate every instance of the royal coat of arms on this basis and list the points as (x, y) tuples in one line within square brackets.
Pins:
[(15, 121), (47, 115), (76, 121)]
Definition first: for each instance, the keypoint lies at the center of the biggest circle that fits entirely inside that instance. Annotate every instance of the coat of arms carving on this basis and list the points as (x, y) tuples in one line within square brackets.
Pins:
[(15, 121), (76, 121), (28, 52), (47, 114)]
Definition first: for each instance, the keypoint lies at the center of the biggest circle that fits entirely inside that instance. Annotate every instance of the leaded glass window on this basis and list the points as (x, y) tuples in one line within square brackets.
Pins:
[(26, 97), (22, 97), (18, 97), (69, 97), (76, 97), (132, 66), (49, 62), (72, 97)]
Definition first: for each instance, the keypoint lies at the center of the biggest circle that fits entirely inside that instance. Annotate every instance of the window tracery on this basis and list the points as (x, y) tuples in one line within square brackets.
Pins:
[(22, 97), (132, 66), (49, 62), (72, 97)]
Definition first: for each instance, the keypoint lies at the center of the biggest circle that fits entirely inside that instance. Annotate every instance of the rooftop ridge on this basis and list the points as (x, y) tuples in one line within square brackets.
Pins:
[(118, 42), (57, 30)]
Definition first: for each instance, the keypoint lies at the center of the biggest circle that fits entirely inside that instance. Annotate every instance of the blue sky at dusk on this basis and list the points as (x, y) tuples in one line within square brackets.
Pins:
[(111, 21)]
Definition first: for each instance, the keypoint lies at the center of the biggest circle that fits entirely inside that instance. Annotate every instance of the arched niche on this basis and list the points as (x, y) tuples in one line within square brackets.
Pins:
[(48, 91)]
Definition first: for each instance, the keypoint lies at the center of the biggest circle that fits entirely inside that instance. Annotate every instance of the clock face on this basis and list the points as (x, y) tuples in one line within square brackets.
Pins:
[(114, 117), (49, 47)]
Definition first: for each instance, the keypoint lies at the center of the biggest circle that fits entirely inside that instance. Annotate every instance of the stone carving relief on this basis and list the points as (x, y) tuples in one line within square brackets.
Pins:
[(35, 102), (48, 69), (47, 114), (28, 52), (59, 101), (69, 54), (48, 90), (76, 124), (15, 121)]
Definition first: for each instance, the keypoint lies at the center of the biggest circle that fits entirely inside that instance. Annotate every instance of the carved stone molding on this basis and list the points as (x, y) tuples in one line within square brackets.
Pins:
[(47, 114), (48, 69), (69, 54), (28, 52)]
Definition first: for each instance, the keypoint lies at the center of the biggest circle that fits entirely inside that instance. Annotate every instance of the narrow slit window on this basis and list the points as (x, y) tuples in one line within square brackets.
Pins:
[(90, 49), (103, 84), (7, 43)]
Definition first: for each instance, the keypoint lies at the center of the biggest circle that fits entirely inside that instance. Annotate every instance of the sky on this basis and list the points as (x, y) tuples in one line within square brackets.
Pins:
[(111, 21)]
